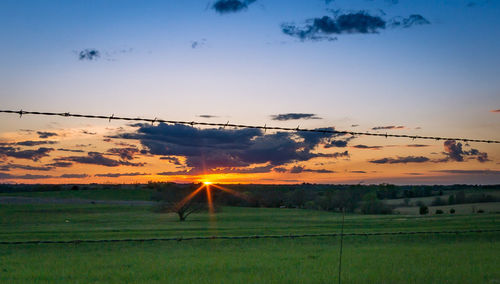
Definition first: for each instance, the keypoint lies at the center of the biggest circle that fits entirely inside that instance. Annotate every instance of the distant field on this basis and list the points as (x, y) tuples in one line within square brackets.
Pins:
[(452, 258), (470, 208)]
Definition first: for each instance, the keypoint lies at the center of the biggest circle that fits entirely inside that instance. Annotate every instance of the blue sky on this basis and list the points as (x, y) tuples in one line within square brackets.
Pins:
[(439, 77)]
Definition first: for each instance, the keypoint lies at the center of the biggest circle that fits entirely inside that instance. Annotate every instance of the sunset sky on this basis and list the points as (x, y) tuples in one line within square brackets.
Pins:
[(385, 66)]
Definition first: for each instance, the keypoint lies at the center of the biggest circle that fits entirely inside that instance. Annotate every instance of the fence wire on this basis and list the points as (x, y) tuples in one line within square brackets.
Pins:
[(265, 127), (290, 236)]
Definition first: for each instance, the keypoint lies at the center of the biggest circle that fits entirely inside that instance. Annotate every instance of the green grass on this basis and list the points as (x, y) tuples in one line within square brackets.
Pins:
[(449, 258)]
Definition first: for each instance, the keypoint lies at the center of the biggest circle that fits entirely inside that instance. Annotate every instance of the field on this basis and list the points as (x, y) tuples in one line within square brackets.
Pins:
[(452, 258)]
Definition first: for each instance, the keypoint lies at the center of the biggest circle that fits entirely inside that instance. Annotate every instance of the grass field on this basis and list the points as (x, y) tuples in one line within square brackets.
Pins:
[(451, 258)]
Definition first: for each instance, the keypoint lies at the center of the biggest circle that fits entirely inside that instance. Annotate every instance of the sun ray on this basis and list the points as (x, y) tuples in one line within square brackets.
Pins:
[(230, 191), (189, 197), (209, 200)]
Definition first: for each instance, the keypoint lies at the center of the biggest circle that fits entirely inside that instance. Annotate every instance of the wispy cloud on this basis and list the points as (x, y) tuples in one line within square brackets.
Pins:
[(401, 160), (389, 127)]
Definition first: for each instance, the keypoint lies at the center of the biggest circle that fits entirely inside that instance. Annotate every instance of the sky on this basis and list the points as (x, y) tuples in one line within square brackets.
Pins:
[(385, 66)]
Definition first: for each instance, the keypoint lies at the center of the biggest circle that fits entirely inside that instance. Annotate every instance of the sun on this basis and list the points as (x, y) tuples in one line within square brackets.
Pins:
[(207, 182)]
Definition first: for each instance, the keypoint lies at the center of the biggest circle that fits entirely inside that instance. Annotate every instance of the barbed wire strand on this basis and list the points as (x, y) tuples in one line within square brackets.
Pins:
[(265, 127), (290, 236)]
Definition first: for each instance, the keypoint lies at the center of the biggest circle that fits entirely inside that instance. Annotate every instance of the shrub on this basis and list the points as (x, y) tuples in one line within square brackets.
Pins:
[(480, 211), (452, 211), (423, 210), (439, 211)]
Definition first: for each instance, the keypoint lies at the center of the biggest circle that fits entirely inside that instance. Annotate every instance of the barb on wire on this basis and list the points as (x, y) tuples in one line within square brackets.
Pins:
[(236, 126), (290, 236)]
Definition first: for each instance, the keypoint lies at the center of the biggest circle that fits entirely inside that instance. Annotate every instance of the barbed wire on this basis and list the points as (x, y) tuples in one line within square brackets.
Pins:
[(290, 236), (265, 127)]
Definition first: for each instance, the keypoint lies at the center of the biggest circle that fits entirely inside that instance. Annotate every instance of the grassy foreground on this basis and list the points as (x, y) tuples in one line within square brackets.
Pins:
[(463, 258)]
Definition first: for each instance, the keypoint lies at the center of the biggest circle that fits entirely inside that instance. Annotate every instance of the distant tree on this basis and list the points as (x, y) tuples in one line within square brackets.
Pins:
[(451, 199), (439, 211), (423, 210), (174, 198), (371, 205), (438, 201), (452, 211)]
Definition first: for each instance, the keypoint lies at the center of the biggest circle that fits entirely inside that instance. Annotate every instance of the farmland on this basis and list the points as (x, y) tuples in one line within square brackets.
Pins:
[(453, 258)]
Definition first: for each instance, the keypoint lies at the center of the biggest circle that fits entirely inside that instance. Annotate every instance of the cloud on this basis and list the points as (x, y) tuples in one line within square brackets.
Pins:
[(27, 176), (417, 145), (70, 150), (254, 170), (115, 175), (173, 160), (34, 155), (495, 110), (60, 164), (198, 43), (280, 170), (89, 54), (88, 132), (358, 172), (300, 169), (209, 149), (33, 143), (361, 22), (74, 176), (124, 153), (43, 134), (411, 20), (231, 6), (8, 167), (361, 146), (207, 116), (294, 116), (392, 127), (174, 173), (323, 28), (340, 154), (455, 152), (401, 160), (470, 172), (96, 158)]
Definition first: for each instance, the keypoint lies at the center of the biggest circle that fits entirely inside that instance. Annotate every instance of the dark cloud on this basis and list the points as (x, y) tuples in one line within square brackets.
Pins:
[(280, 170), (361, 146), (455, 152), (254, 170), (417, 145), (495, 110), (231, 6), (174, 173), (34, 155), (354, 125), (323, 28), (44, 134), (340, 154), (358, 172), (401, 160), (124, 153), (70, 150), (470, 172), (326, 27), (89, 54), (88, 132), (8, 167), (412, 20), (74, 176), (115, 175), (391, 127), (207, 116), (208, 149), (294, 116), (27, 176), (300, 169), (60, 164), (173, 160), (97, 158), (34, 143)]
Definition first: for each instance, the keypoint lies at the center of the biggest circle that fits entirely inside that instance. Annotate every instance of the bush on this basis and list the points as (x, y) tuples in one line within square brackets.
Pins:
[(452, 211), (480, 211), (423, 210), (439, 211)]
